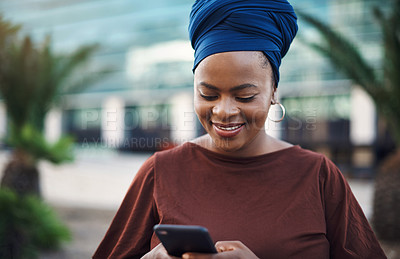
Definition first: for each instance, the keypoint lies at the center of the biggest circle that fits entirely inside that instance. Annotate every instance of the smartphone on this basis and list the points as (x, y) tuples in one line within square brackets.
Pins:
[(179, 239)]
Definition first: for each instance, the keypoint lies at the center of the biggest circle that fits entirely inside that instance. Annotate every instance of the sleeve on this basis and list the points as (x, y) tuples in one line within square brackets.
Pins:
[(131, 230), (348, 230)]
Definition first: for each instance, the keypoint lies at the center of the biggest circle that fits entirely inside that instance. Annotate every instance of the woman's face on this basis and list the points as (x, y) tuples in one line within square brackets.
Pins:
[(232, 95)]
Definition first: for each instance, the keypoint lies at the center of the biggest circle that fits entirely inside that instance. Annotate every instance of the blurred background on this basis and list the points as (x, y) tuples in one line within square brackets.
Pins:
[(142, 99)]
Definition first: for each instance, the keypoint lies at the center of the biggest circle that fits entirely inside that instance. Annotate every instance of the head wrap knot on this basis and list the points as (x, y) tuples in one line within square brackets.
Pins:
[(242, 25)]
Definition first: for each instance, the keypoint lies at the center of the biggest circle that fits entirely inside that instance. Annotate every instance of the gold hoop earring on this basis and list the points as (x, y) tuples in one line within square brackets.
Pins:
[(283, 113)]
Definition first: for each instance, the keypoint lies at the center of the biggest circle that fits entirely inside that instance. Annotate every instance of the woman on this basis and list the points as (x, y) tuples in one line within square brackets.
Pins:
[(273, 199)]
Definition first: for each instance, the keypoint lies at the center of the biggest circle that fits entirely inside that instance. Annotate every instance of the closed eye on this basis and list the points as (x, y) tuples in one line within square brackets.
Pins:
[(245, 99), (209, 97)]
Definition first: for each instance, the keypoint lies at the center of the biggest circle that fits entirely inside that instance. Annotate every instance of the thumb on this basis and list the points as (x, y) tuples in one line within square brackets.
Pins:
[(196, 256)]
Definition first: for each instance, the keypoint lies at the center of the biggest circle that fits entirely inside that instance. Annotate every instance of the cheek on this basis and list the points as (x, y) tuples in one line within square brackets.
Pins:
[(257, 114), (201, 109)]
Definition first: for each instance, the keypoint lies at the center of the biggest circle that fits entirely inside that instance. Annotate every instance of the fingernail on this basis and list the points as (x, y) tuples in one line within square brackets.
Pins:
[(185, 256)]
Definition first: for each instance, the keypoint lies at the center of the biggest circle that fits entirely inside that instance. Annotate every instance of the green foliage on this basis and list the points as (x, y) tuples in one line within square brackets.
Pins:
[(343, 54), (28, 225), (33, 79), (384, 89), (8, 33), (30, 140)]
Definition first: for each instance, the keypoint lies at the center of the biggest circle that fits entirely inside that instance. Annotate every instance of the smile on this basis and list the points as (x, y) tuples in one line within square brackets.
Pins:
[(228, 131), (229, 128)]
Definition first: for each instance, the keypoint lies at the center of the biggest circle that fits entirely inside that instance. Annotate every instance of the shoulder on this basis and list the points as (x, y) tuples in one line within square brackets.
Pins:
[(299, 156), (146, 171), (311, 162), (327, 169), (331, 180), (174, 153), (312, 156), (173, 158), (148, 167), (307, 154)]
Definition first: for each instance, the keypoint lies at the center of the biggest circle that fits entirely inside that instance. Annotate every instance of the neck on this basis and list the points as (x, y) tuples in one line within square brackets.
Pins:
[(257, 146), (261, 144)]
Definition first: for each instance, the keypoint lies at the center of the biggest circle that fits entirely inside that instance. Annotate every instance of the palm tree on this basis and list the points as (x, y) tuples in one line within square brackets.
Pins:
[(32, 81), (384, 89)]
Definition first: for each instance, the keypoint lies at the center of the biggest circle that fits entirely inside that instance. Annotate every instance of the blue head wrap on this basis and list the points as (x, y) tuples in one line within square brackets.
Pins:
[(242, 25)]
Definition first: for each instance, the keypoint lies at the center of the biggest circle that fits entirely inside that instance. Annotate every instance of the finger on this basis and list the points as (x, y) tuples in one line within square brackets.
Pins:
[(197, 256), (159, 252), (227, 254), (223, 246), (163, 252)]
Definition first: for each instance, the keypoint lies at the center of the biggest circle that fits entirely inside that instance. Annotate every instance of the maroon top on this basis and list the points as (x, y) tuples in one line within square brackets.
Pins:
[(291, 203)]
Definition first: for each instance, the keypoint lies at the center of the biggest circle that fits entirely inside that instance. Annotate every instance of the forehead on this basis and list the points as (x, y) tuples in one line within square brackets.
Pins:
[(234, 68)]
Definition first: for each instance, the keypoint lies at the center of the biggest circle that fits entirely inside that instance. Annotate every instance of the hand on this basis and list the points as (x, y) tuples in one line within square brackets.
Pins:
[(158, 252), (226, 249)]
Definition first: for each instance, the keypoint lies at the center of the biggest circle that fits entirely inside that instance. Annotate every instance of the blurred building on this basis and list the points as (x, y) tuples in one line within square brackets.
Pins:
[(146, 103), (326, 111), (145, 45)]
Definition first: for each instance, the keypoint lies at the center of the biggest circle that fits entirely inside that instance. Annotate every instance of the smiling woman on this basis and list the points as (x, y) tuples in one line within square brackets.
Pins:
[(232, 95), (258, 196)]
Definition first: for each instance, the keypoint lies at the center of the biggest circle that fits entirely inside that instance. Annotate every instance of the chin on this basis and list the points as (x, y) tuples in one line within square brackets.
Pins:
[(227, 145)]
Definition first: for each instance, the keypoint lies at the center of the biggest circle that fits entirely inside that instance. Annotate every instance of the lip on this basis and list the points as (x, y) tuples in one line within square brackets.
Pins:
[(224, 131)]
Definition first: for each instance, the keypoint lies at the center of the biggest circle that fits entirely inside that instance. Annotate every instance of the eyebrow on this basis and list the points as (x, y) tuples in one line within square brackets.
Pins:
[(236, 88)]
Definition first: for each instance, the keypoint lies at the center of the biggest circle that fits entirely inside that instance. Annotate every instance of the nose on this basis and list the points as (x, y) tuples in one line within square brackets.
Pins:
[(225, 108)]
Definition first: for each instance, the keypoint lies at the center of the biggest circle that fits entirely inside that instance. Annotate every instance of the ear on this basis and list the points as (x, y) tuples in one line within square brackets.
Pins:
[(274, 96)]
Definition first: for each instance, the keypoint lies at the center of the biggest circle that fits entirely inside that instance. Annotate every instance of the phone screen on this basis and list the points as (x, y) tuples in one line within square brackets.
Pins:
[(179, 239)]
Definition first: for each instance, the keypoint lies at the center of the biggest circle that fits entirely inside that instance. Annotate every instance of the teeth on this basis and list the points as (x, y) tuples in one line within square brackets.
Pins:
[(229, 128)]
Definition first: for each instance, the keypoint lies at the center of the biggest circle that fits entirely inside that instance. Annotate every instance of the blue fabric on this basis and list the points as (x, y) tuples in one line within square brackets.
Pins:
[(242, 25)]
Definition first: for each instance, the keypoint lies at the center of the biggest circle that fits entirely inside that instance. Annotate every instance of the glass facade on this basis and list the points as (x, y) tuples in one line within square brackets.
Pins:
[(146, 45)]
